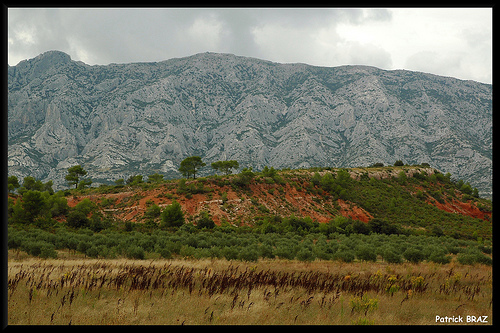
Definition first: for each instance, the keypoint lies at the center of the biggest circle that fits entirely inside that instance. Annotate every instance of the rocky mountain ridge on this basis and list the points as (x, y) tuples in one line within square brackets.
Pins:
[(124, 119)]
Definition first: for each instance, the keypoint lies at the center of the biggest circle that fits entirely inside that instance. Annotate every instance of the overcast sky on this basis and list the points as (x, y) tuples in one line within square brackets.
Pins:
[(445, 41)]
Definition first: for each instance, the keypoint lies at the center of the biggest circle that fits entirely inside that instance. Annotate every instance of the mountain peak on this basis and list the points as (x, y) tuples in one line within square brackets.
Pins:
[(142, 118), (53, 57)]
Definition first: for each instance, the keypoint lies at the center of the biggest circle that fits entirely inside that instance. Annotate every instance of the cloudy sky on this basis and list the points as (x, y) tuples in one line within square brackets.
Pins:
[(445, 41)]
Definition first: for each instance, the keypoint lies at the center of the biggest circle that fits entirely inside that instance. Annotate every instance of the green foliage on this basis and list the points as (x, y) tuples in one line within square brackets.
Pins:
[(404, 228), (84, 184), (153, 211), (316, 179), (244, 177), (134, 180), (77, 219), (391, 255), (12, 183), (381, 226), (172, 215), (473, 256), (192, 188), (135, 252), (120, 182), (190, 165), (366, 253), (402, 178), (413, 255), (237, 244), (33, 205), (74, 175), (225, 166), (205, 221), (155, 178)]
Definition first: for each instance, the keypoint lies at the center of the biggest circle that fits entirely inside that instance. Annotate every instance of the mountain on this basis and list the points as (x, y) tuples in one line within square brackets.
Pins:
[(140, 118)]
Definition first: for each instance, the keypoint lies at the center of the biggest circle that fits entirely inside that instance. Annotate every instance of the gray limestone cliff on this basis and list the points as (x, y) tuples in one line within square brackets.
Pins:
[(140, 118)]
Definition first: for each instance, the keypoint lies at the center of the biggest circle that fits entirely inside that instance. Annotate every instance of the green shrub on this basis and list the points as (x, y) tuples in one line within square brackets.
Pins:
[(249, 253), (392, 256), (77, 219), (172, 215), (304, 254), (473, 256), (48, 251), (135, 252), (366, 253), (345, 255), (266, 251), (205, 221), (413, 255), (230, 252), (153, 211)]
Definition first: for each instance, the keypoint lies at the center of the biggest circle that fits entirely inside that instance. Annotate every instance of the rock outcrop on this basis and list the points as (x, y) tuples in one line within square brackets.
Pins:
[(124, 119)]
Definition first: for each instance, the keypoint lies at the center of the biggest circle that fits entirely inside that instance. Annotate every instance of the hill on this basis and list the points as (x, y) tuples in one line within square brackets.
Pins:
[(411, 199), (125, 119)]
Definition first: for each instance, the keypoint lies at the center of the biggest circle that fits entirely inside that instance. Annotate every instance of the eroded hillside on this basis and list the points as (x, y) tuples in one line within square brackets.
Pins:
[(420, 199)]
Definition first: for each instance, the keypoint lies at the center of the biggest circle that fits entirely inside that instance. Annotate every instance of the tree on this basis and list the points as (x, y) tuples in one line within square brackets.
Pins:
[(399, 163), (172, 215), (155, 178), (413, 255), (190, 165), (12, 183), (225, 166), (74, 174), (30, 183), (134, 180), (84, 183), (77, 219), (366, 253), (33, 204), (244, 177)]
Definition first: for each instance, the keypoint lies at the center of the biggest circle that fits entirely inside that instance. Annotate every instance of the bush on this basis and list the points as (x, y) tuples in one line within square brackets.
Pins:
[(345, 255), (165, 253), (39, 249), (135, 252), (284, 252), (473, 256), (440, 258), (230, 252), (205, 221), (305, 254), (366, 253), (266, 251), (48, 251), (413, 255), (244, 177), (153, 211), (172, 215), (77, 219), (249, 253), (392, 256), (92, 251)]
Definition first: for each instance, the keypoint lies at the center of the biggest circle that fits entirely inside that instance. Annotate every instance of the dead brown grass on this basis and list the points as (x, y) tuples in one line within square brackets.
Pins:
[(269, 292)]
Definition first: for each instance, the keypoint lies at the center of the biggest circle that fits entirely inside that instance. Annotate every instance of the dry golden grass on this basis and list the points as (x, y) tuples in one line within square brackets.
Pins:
[(268, 292)]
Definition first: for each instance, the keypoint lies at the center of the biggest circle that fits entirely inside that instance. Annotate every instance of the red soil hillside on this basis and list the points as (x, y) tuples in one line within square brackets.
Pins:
[(263, 196), (241, 206)]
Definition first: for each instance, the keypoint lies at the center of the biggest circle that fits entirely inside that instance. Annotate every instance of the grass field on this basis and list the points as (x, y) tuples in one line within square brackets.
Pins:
[(220, 292)]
